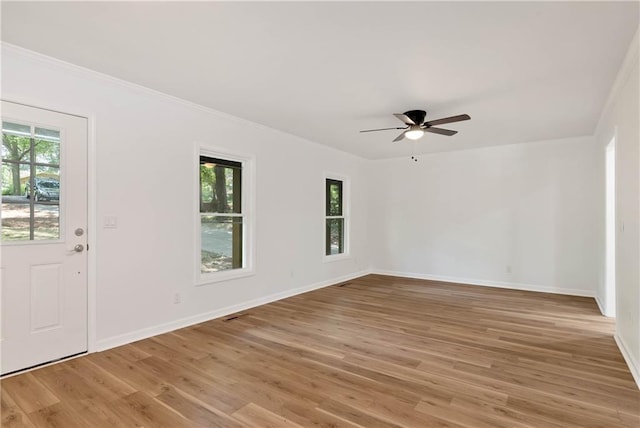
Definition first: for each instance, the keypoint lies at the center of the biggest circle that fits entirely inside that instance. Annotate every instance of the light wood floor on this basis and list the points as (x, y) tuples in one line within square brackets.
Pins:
[(375, 352)]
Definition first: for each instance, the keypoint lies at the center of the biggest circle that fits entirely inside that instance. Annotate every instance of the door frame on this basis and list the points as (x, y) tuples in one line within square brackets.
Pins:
[(92, 223), (611, 226)]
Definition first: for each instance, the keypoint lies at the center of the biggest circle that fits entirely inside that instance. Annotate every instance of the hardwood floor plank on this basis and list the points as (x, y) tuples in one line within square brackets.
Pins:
[(479, 408), (130, 372), (378, 351), (601, 403), (405, 415), (568, 413), (434, 387), (255, 416), (354, 415), (28, 392), (11, 415), (96, 413), (58, 415), (140, 409), (196, 384), (196, 410), (484, 420)]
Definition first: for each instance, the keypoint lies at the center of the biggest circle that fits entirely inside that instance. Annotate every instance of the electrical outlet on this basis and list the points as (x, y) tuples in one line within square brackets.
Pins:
[(177, 298)]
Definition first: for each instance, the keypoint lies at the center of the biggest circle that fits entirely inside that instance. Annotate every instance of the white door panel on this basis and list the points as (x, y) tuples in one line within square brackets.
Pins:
[(44, 280)]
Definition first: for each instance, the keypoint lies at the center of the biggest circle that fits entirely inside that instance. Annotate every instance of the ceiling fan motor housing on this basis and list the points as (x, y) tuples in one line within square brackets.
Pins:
[(416, 115)]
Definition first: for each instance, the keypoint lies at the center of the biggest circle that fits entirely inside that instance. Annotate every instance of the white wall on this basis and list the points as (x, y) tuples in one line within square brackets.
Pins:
[(144, 144), (621, 118), (518, 216)]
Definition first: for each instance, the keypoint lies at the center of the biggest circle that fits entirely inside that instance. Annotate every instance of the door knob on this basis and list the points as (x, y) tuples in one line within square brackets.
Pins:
[(78, 248)]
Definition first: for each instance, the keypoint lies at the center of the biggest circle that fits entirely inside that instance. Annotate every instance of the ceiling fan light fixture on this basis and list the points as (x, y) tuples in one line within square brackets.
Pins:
[(415, 126), (415, 133)]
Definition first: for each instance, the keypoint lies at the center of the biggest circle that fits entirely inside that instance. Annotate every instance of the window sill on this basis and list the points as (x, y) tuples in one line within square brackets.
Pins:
[(335, 258), (210, 278)]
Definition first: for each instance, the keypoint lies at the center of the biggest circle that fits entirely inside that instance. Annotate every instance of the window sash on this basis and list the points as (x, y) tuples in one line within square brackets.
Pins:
[(329, 184), (216, 191), (236, 259), (329, 222), (238, 223)]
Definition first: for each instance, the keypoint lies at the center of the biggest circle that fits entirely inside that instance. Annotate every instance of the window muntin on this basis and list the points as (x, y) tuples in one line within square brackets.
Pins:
[(335, 219), (222, 220)]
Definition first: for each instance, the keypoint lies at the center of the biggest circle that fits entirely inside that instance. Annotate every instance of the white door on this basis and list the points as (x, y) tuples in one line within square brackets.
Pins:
[(44, 236)]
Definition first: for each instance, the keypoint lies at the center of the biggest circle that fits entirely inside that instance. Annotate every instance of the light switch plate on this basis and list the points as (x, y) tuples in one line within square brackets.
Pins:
[(110, 222)]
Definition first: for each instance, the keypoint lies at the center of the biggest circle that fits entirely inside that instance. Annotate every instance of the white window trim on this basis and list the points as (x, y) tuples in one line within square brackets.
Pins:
[(248, 211), (346, 213)]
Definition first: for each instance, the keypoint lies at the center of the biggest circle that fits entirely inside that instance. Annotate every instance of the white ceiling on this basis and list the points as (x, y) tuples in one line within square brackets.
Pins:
[(323, 71)]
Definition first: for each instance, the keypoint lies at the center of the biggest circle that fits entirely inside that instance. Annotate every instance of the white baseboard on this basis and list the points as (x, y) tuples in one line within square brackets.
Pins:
[(485, 283), (123, 339), (634, 366), (602, 307)]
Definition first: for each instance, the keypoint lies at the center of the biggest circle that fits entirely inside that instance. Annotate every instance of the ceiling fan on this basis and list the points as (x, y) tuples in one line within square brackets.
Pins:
[(416, 126)]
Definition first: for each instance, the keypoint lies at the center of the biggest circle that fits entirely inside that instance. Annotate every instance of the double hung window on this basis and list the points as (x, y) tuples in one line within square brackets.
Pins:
[(336, 221), (223, 217)]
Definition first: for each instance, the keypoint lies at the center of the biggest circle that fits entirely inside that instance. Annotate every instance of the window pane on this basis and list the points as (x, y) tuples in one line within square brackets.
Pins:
[(46, 222), (335, 236), (221, 243), (46, 190), (16, 129), (15, 218), (220, 186), (47, 152), (16, 148), (334, 198), (14, 178), (47, 135)]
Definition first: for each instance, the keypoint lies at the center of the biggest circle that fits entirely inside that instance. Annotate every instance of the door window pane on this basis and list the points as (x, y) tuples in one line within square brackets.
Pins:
[(16, 148), (47, 152), (16, 224), (9, 128), (46, 187), (47, 135), (14, 178), (46, 221)]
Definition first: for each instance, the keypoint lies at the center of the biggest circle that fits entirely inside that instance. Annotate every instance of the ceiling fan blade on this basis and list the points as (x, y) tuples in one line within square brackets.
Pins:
[(406, 119), (399, 137), (442, 121), (440, 131), (383, 129)]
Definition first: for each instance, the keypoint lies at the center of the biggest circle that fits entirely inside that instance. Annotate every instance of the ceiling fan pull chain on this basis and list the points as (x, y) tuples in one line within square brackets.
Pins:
[(413, 152)]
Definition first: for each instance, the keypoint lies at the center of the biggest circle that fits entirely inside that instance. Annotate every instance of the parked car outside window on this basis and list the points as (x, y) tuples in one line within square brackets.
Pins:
[(43, 190)]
